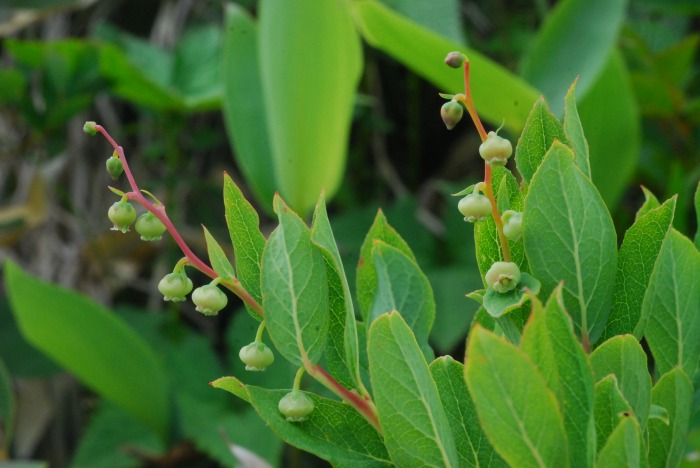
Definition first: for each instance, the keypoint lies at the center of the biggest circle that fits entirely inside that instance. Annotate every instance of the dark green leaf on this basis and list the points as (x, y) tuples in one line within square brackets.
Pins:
[(674, 392), (7, 409), (195, 76)]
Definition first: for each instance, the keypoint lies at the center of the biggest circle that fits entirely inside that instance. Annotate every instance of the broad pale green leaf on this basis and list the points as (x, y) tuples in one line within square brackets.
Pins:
[(366, 276), (624, 357), (517, 411), (650, 202), (343, 348), (638, 254), (496, 91), (473, 448), (217, 257), (608, 408), (310, 70), (294, 289), (248, 242), (550, 342), (575, 39), (7, 408), (402, 286), (624, 447), (541, 129), (672, 303), (244, 105), (610, 116), (92, 343), (415, 426), (574, 131), (667, 440), (569, 236), (334, 431)]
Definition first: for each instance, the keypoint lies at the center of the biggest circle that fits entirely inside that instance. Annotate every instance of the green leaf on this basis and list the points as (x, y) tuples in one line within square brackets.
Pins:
[(7, 408), (575, 39), (650, 202), (295, 289), (519, 414), (638, 254), (196, 80), (498, 92), (674, 392), (610, 115), (416, 429), (659, 413), (248, 242), (217, 257), (334, 431), (366, 276), (310, 70), (343, 346), (574, 131), (440, 16), (671, 303), (402, 286), (92, 343), (473, 447), (550, 342), (498, 304), (541, 129), (569, 236), (609, 406), (697, 215), (624, 357), (244, 105), (625, 446)]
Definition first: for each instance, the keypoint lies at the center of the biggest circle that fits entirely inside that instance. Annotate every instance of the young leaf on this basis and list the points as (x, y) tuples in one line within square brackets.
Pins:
[(402, 286), (541, 129), (334, 431), (244, 105), (625, 446), (671, 303), (217, 257), (517, 411), (550, 342), (366, 276), (416, 429), (343, 350), (569, 236), (295, 289), (92, 343), (248, 242), (638, 254), (473, 448), (650, 202), (624, 357), (574, 131), (674, 392), (609, 405)]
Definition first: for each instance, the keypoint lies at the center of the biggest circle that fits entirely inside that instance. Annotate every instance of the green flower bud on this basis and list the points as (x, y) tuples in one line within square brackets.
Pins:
[(513, 224), (256, 356), (503, 276), (89, 128), (474, 207), (175, 286), (150, 227), (296, 406), (495, 150), (114, 167), (209, 299), (451, 113), (455, 59), (122, 214)]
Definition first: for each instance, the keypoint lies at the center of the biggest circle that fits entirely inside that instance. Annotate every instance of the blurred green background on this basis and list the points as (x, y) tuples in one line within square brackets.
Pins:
[(293, 96)]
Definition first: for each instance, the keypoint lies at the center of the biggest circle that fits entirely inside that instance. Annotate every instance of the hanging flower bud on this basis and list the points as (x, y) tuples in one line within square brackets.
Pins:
[(122, 214), (495, 150), (474, 207), (296, 406), (503, 276), (513, 224), (89, 128), (209, 299), (150, 227), (175, 286), (256, 356), (114, 167), (451, 113), (455, 59)]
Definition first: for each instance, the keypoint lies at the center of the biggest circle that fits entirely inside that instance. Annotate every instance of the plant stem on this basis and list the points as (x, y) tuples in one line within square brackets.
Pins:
[(259, 334), (297, 379), (159, 211)]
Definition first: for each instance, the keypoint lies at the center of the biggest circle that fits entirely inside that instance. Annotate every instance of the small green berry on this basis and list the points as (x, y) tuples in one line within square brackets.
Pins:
[(122, 214), (209, 299), (474, 207), (513, 224), (256, 356), (114, 167), (175, 286), (495, 150), (451, 113), (150, 227), (89, 128), (296, 406), (503, 276), (455, 59)]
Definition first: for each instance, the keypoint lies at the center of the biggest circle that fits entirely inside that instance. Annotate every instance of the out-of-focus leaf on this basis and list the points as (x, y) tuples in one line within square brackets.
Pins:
[(196, 75), (440, 16), (13, 86), (7, 409)]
